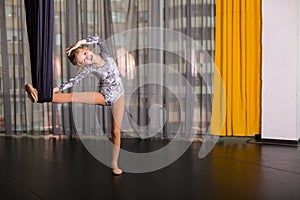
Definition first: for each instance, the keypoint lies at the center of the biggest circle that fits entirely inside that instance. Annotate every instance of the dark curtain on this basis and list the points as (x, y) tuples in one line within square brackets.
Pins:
[(40, 28)]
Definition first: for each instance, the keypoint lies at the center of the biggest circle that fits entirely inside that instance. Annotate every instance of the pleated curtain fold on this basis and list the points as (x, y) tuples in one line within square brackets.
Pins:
[(238, 58), (40, 28)]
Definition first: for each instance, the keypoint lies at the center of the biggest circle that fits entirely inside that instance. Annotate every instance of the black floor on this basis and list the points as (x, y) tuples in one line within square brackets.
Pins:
[(63, 169)]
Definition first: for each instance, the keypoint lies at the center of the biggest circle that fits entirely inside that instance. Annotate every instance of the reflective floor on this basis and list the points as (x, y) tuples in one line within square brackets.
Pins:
[(64, 169)]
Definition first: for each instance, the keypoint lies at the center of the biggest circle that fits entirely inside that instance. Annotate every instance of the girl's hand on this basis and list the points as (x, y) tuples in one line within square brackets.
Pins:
[(75, 46)]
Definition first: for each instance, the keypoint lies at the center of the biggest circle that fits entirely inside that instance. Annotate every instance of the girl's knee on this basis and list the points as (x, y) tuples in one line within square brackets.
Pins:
[(116, 133)]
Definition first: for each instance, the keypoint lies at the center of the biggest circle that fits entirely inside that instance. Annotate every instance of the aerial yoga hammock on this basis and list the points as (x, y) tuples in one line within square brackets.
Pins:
[(40, 26), (40, 21)]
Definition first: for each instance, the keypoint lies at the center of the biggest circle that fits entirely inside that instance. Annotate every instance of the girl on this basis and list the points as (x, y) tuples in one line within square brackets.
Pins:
[(111, 90)]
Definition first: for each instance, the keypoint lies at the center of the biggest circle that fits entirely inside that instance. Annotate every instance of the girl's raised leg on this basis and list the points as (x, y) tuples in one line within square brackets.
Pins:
[(81, 97)]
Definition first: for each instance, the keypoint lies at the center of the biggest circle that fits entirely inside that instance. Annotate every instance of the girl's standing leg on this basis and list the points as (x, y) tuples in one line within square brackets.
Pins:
[(117, 117), (95, 98)]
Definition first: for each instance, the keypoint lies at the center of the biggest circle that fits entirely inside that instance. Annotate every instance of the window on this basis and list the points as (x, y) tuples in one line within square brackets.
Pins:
[(11, 12), (118, 17), (143, 16), (58, 39), (57, 17), (92, 17), (14, 36), (15, 59)]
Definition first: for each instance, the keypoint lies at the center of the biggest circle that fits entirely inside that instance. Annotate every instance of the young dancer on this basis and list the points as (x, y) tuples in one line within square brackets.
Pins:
[(111, 90)]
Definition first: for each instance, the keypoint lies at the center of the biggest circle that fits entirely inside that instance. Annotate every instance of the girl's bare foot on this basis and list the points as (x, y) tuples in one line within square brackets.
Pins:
[(32, 93), (117, 171)]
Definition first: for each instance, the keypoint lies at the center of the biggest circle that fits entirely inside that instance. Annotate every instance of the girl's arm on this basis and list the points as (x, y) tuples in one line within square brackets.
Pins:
[(75, 46), (104, 53), (73, 81)]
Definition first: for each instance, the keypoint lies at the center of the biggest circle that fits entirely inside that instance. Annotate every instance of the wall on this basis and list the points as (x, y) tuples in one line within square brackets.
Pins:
[(280, 69)]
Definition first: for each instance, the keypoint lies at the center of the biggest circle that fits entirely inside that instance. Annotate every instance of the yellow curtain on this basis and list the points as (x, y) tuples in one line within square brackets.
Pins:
[(238, 59)]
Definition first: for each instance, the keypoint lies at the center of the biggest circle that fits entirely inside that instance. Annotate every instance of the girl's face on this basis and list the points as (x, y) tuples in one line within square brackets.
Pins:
[(85, 57)]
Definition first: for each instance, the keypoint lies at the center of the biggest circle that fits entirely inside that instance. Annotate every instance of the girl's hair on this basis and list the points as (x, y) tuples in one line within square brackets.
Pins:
[(73, 56)]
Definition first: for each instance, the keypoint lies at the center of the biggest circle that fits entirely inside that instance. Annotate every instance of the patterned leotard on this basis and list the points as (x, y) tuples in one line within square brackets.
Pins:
[(110, 83)]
